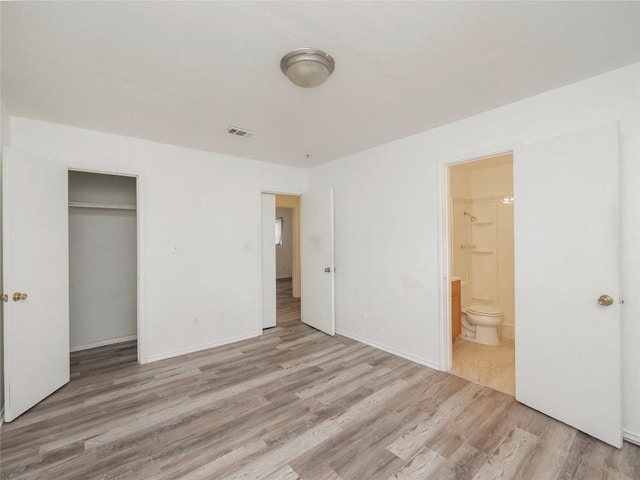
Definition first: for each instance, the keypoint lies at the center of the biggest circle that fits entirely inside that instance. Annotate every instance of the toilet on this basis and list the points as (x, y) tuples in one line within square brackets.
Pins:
[(480, 324)]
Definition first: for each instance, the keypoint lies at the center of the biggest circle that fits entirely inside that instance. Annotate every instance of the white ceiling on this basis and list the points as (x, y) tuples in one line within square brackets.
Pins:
[(181, 72)]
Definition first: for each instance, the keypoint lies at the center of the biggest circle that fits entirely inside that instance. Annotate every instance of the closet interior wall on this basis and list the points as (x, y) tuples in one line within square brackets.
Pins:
[(102, 259)]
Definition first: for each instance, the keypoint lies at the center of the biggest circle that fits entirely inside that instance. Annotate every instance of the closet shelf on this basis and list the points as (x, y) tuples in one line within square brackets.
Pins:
[(480, 224), (101, 205), (483, 252)]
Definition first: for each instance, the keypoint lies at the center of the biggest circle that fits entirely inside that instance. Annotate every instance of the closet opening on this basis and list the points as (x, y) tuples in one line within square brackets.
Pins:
[(103, 271)]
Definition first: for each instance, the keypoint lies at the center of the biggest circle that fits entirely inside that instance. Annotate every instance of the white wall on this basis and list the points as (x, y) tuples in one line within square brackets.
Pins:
[(387, 208), (5, 126), (200, 228), (284, 252), (102, 261)]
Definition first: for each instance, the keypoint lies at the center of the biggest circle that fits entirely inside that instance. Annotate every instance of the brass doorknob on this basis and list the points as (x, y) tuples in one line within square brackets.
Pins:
[(17, 296), (605, 300)]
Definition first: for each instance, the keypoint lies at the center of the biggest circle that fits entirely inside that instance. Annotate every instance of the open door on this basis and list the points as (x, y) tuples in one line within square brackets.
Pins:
[(316, 225), (36, 279), (568, 313), (268, 260)]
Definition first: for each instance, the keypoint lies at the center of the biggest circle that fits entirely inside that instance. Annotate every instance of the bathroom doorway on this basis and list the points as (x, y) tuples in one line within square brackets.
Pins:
[(481, 270)]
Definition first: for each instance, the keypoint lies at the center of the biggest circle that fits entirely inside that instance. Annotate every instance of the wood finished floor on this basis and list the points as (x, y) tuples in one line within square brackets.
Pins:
[(291, 404)]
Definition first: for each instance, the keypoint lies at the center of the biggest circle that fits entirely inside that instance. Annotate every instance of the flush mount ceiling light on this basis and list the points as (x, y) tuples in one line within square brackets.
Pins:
[(307, 67)]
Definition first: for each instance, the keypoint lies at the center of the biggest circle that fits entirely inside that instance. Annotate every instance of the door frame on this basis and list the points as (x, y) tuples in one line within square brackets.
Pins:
[(140, 249), (260, 253), (444, 235)]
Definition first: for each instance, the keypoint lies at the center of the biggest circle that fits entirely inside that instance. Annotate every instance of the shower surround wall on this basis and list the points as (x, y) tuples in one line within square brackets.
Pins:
[(482, 242)]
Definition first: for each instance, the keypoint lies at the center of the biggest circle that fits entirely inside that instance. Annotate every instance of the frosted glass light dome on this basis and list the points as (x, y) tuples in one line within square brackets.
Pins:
[(307, 67)]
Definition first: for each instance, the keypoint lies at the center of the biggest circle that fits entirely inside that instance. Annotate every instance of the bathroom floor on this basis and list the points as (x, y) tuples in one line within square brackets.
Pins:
[(485, 364)]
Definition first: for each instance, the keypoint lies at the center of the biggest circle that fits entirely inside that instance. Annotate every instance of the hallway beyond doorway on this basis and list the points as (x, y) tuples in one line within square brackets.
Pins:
[(287, 306)]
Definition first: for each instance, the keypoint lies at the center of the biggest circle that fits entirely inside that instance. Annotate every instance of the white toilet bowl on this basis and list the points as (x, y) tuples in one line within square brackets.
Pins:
[(480, 324)]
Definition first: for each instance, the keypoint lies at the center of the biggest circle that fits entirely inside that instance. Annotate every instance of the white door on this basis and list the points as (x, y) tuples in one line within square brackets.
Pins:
[(268, 260), (316, 225), (567, 246), (36, 264)]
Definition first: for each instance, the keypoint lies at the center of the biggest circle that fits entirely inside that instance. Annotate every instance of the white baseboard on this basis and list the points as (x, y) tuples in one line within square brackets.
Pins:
[(385, 348), (631, 437), (103, 343), (203, 346)]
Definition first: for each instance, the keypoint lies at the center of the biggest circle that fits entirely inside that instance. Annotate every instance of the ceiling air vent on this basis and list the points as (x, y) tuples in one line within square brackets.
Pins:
[(239, 132)]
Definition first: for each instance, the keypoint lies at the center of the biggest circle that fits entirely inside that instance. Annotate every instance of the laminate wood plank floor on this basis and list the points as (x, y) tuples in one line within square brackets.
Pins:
[(291, 404)]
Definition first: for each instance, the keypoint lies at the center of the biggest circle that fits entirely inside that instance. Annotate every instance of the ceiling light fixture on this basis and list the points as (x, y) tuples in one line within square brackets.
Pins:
[(307, 67)]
